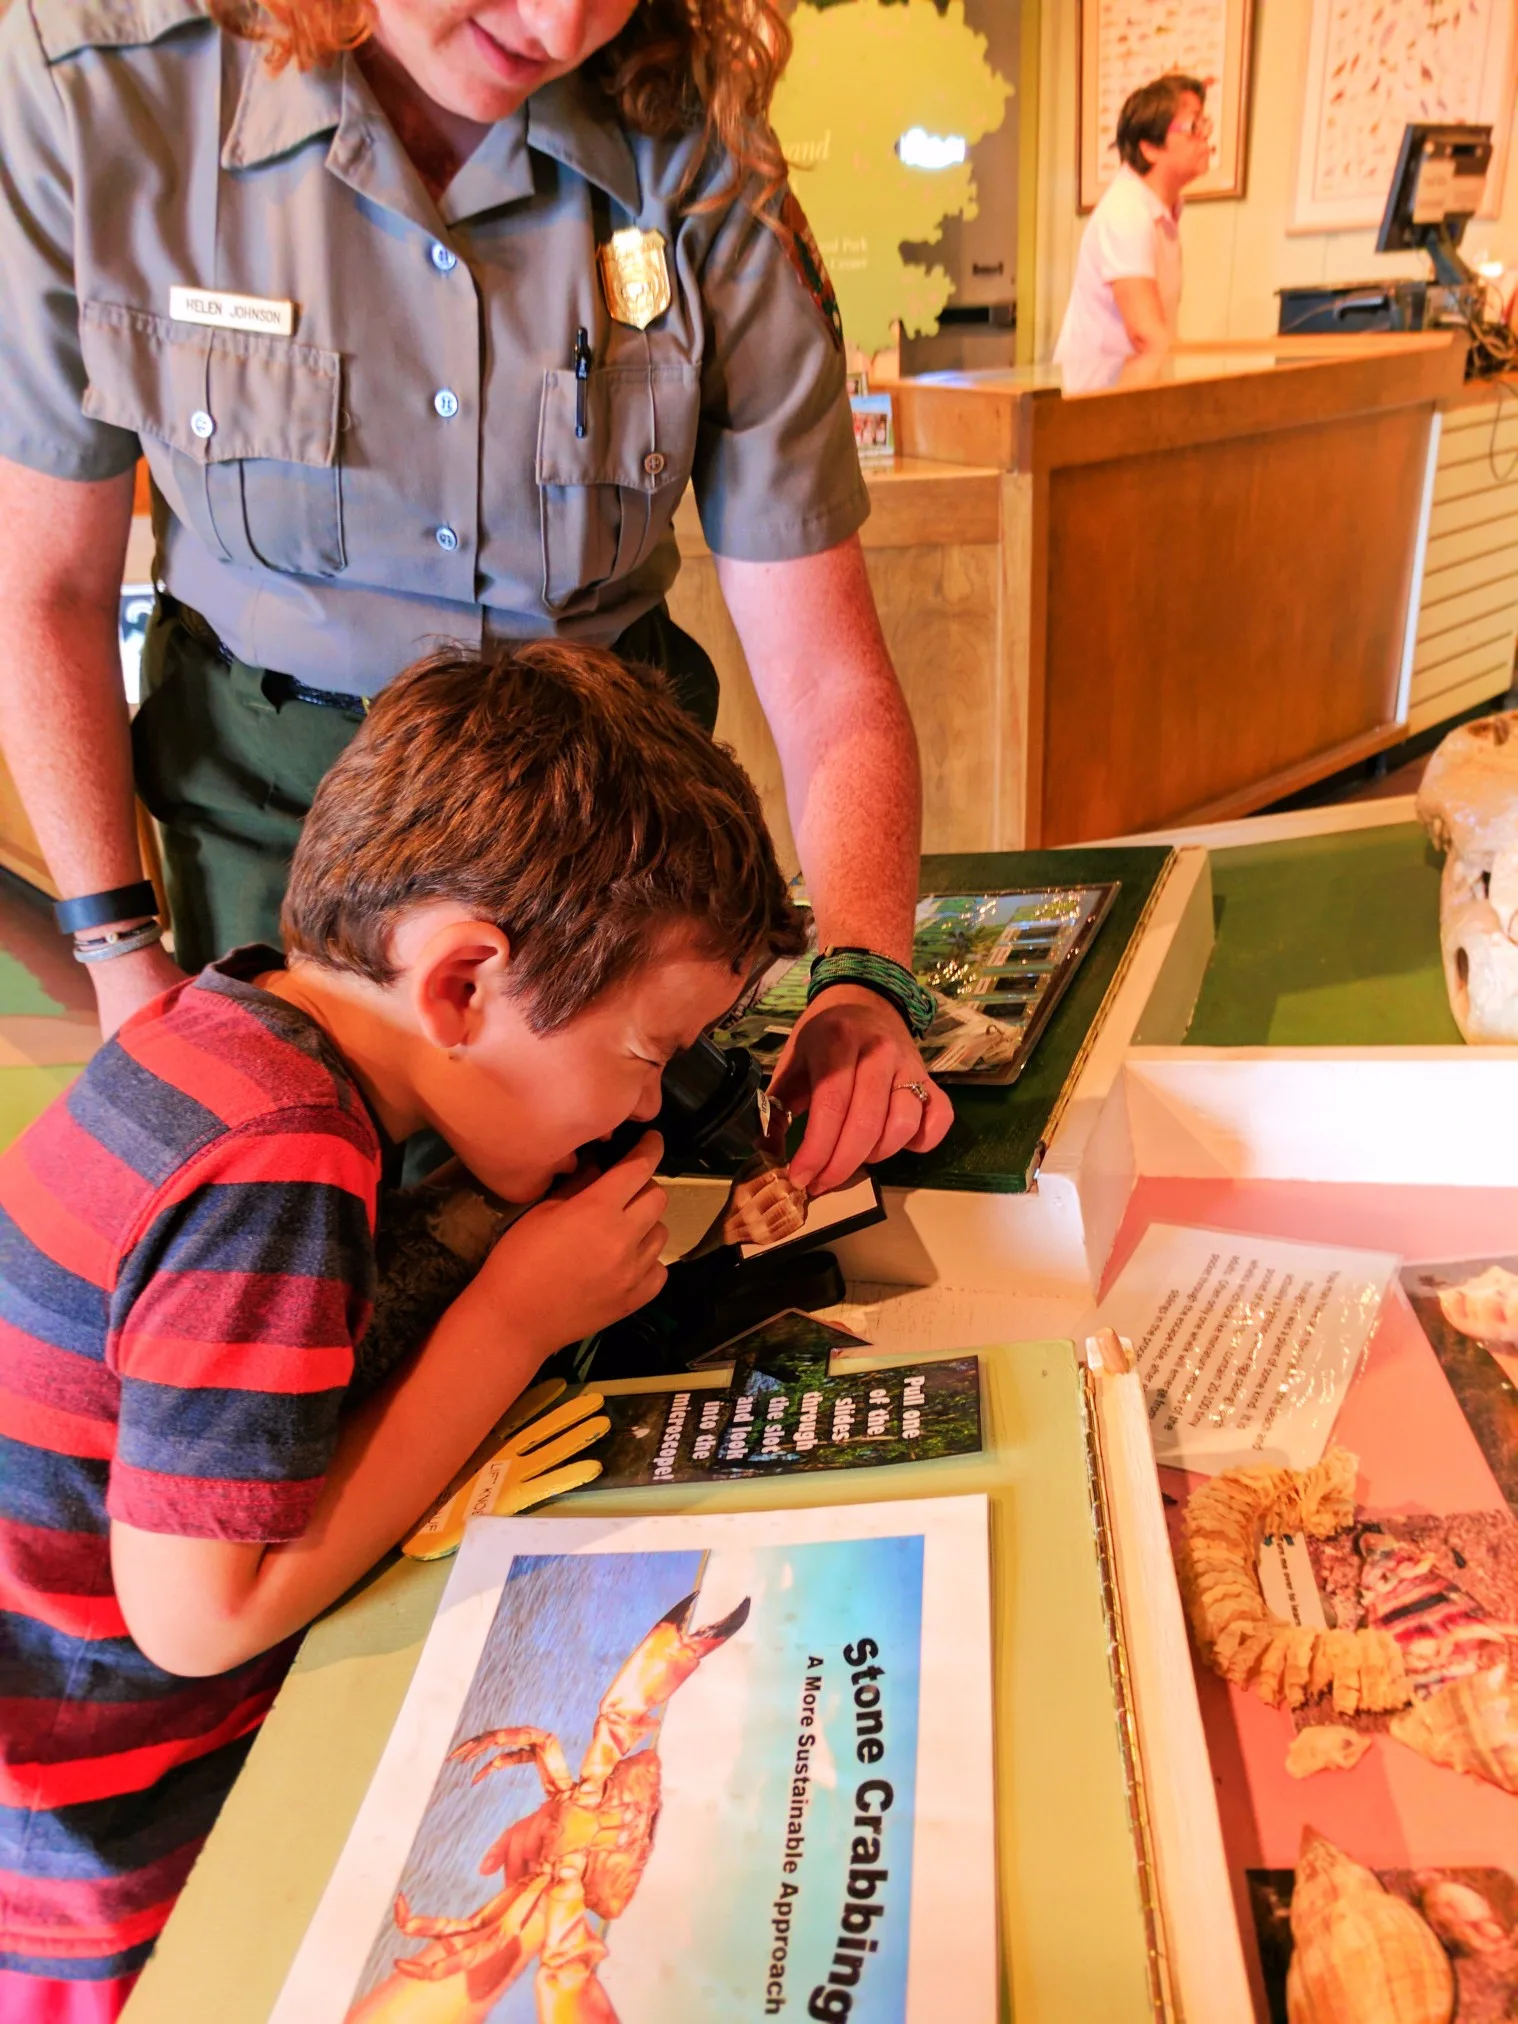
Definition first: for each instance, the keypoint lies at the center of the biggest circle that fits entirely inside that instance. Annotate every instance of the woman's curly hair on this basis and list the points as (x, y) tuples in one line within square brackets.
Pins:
[(677, 67)]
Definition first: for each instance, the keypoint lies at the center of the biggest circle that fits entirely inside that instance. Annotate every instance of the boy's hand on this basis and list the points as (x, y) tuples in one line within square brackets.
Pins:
[(580, 1261)]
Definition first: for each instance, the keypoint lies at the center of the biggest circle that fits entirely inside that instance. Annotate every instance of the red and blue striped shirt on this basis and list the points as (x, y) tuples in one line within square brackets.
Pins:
[(186, 1270)]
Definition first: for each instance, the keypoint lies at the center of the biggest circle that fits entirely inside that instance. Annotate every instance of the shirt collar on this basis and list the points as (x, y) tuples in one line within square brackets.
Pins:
[(574, 121), (277, 111), (570, 120), (1158, 209)]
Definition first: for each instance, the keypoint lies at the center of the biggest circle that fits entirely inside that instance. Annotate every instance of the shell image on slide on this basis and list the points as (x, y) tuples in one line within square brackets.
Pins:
[(579, 1856)]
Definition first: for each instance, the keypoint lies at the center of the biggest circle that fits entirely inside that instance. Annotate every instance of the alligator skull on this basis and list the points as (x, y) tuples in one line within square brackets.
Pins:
[(1469, 805)]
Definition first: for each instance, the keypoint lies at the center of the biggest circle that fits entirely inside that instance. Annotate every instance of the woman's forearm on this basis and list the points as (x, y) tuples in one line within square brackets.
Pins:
[(63, 713), (846, 742)]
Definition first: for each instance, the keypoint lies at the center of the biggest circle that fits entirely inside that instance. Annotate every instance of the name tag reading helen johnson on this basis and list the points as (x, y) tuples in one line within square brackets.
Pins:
[(232, 312)]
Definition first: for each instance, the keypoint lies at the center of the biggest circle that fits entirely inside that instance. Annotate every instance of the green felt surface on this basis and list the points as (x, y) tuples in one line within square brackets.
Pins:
[(25, 1093), (1328, 941), (1072, 1930), (997, 1136), (19, 990)]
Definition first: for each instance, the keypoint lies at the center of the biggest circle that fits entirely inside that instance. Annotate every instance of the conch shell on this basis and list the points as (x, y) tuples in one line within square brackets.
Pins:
[(763, 1206), (1460, 1915), (1360, 1955), (1471, 1725), (1486, 1307), (1219, 1568), (1326, 1747)]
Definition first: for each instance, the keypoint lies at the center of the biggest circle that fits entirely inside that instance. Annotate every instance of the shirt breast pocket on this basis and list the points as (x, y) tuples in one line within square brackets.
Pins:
[(239, 428), (608, 497)]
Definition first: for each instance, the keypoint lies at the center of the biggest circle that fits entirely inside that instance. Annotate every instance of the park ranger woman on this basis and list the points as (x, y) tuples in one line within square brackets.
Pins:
[(423, 313)]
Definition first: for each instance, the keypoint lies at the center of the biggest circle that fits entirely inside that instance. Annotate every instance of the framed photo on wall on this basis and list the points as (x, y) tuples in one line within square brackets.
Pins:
[(1125, 43), (1373, 65)]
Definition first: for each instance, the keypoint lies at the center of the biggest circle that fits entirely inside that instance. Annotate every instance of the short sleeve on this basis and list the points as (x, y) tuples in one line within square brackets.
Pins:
[(233, 1331), (42, 376), (776, 473), (1122, 242)]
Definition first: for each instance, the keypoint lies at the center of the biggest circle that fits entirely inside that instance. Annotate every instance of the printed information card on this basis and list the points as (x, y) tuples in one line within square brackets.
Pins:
[(1246, 1345), (783, 1412)]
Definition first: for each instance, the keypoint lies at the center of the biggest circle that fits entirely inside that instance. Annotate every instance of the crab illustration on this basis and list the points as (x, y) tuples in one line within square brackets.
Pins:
[(579, 1856)]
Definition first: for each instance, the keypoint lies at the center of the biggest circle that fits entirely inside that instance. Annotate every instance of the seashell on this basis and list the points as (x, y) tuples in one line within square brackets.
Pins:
[(765, 1206), (1485, 1307), (1325, 1748), (1471, 1725), (1460, 1915), (1360, 1955)]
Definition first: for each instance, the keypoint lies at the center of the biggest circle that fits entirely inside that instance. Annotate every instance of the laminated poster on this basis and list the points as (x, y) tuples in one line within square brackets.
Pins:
[(1468, 1308), (783, 1413), (723, 1767), (1246, 1345)]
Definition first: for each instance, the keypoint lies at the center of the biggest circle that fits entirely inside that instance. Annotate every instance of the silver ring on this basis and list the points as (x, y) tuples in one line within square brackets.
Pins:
[(918, 1089)]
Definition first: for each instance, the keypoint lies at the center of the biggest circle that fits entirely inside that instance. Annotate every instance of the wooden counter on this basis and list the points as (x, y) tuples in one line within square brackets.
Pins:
[(1117, 610), (1218, 571)]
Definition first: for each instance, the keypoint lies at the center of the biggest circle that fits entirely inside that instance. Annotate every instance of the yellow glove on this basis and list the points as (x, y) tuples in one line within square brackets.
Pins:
[(522, 1470)]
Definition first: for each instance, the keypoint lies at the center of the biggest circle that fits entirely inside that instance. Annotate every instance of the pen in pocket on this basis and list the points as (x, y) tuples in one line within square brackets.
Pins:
[(582, 377)]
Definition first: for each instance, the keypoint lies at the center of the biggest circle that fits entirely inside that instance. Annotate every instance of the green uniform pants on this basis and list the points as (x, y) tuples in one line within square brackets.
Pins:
[(229, 768)]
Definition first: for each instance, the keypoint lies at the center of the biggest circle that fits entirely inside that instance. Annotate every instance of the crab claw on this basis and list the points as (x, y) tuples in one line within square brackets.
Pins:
[(653, 1671), (714, 1634)]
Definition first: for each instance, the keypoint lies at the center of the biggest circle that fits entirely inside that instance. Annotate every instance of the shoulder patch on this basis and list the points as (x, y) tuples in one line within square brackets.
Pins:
[(806, 257), (64, 27)]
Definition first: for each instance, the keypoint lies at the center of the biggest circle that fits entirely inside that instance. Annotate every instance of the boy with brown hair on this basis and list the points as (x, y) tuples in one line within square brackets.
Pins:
[(525, 885)]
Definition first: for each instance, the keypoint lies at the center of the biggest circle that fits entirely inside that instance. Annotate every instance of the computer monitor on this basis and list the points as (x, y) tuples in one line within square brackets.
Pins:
[(1436, 189)]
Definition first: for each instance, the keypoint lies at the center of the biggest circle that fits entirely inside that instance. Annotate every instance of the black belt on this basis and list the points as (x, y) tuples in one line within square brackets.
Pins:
[(277, 688), (285, 689)]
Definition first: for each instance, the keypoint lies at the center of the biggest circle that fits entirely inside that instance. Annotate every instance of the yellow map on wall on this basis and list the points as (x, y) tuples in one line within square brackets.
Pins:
[(863, 74)]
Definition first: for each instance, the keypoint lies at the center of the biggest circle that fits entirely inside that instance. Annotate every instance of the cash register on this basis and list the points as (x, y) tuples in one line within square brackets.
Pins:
[(1436, 189)]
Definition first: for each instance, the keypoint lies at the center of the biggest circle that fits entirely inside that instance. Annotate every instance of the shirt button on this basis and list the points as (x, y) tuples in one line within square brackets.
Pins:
[(447, 540), (444, 259), (202, 424), (653, 463), (446, 401)]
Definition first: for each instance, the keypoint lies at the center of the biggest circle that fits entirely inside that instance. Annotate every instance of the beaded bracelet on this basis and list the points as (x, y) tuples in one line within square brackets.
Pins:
[(878, 974), (119, 942)]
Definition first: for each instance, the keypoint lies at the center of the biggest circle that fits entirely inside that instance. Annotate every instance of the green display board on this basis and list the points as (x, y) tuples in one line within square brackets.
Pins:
[(998, 1135), (1327, 941)]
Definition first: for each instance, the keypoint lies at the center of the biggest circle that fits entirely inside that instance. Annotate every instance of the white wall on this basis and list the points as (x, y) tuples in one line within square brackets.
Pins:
[(1237, 251)]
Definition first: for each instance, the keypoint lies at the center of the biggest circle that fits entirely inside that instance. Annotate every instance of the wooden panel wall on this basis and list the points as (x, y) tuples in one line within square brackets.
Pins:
[(1168, 573), (1468, 614)]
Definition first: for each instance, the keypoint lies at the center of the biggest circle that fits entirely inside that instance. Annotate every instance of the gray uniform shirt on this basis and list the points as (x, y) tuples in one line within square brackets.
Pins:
[(404, 467)]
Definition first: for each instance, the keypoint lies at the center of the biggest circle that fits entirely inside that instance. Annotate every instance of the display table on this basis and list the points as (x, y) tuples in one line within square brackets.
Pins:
[(1073, 1934), (1106, 1911)]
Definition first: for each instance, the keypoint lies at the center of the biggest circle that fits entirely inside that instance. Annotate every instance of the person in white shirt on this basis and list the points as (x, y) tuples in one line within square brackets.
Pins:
[(1126, 299)]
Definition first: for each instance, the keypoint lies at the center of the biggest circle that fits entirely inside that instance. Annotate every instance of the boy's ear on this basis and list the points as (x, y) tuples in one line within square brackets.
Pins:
[(451, 977)]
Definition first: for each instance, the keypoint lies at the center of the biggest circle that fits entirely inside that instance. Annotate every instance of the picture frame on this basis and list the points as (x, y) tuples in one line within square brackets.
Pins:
[(1350, 132), (1124, 43)]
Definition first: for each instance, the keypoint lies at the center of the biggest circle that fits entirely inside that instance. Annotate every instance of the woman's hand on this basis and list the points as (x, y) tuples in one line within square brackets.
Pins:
[(849, 1065), (582, 1259)]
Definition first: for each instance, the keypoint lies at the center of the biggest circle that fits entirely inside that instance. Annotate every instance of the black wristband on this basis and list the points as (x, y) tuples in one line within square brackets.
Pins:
[(96, 910)]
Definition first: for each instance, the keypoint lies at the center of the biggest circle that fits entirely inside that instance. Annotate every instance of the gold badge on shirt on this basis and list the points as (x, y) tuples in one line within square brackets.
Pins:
[(635, 276)]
